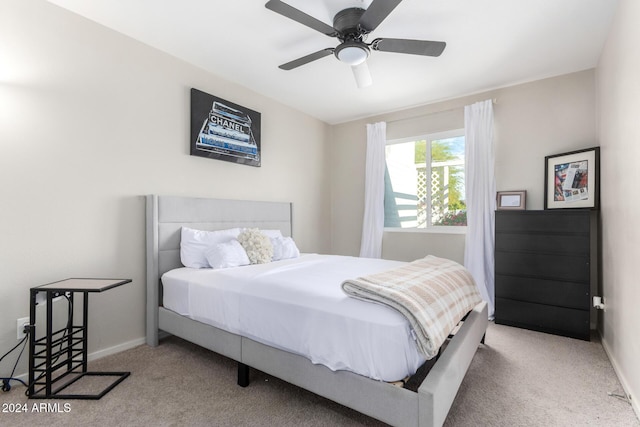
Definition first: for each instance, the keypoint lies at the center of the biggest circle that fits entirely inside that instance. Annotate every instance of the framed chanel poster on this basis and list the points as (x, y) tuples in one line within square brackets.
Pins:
[(223, 130)]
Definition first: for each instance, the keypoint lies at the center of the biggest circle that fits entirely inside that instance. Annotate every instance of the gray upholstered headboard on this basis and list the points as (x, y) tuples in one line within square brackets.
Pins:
[(167, 214)]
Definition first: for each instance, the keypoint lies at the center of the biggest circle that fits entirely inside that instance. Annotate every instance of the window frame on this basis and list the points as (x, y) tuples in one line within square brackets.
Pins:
[(430, 137)]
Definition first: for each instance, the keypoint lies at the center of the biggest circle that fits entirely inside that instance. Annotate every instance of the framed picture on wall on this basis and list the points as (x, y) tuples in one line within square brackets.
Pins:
[(223, 130), (572, 180), (515, 200)]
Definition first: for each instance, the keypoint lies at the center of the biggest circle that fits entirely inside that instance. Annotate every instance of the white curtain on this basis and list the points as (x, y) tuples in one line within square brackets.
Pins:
[(373, 221), (480, 198)]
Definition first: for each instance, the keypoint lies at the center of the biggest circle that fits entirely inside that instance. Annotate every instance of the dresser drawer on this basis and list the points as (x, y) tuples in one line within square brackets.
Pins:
[(544, 318), (545, 266), (540, 291), (565, 243), (547, 222)]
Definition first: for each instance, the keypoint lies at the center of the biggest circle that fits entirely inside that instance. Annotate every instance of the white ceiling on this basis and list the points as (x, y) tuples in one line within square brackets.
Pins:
[(490, 44)]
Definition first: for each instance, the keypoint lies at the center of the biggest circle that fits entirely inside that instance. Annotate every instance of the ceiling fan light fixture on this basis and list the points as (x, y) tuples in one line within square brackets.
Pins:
[(352, 53)]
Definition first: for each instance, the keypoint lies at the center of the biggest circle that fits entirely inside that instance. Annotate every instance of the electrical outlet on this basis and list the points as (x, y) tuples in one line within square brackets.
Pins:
[(20, 326)]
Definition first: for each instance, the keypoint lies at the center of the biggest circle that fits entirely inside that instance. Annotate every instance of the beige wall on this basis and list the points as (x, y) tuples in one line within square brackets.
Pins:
[(619, 111), (90, 121), (532, 120)]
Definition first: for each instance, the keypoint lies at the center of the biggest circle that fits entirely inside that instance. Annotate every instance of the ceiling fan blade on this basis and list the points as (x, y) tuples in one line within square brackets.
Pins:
[(306, 59), (413, 47), (301, 17), (362, 74), (377, 11)]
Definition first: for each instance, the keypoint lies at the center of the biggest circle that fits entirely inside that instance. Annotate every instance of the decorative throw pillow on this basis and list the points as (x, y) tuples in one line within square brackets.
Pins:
[(257, 245), (284, 248), (228, 254), (194, 243)]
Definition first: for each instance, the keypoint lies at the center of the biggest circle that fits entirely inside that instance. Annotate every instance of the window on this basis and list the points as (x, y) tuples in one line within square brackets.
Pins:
[(424, 182)]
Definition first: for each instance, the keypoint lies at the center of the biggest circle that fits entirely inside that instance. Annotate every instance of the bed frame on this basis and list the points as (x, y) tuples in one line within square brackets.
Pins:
[(391, 404)]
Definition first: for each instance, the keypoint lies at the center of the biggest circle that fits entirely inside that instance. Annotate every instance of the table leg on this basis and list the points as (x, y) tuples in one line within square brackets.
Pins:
[(85, 327)]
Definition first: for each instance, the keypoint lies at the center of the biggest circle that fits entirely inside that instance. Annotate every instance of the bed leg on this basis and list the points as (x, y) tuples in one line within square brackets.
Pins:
[(483, 336), (243, 375)]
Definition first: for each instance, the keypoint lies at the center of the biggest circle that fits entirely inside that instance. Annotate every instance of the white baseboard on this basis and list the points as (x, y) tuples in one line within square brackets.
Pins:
[(116, 349), (100, 353), (632, 398)]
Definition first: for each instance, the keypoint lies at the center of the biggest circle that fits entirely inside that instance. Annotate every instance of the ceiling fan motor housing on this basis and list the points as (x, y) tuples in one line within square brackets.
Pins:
[(346, 22)]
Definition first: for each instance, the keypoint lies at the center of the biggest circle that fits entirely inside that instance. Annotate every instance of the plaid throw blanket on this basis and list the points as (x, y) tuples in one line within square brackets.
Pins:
[(433, 293)]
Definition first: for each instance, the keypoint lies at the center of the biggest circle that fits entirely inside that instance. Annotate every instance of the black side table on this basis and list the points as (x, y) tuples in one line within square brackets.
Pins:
[(59, 358)]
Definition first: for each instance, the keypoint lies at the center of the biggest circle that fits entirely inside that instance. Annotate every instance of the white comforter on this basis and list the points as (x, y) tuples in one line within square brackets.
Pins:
[(298, 305)]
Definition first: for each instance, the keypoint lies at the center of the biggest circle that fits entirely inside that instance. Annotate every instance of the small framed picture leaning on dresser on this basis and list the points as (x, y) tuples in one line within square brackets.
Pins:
[(516, 200)]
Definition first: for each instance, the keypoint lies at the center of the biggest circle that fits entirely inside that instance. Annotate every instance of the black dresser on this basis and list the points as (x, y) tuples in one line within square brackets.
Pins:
[(546, 270)]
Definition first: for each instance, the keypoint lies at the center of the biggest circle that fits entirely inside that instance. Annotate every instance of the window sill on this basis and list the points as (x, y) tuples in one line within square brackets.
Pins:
[(432, 230)]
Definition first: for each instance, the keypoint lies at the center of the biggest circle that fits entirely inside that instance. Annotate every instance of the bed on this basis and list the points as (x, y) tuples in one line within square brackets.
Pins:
[(429, 406)]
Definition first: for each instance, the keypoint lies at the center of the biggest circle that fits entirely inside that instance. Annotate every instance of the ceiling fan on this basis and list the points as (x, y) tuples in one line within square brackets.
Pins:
[(351, 26)]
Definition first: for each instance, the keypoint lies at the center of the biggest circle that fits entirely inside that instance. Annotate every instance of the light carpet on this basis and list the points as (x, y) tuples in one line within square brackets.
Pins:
[(519, 378)]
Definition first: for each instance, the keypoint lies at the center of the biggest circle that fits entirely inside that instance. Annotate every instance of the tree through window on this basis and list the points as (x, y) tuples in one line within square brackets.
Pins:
[(424, 181)]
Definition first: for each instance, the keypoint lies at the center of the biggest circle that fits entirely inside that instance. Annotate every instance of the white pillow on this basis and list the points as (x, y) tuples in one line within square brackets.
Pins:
[(272, 234), (225, 255), (284, 248), (193, 244)]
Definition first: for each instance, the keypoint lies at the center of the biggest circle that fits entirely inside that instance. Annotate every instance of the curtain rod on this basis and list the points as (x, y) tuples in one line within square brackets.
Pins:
[(493, 101)]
